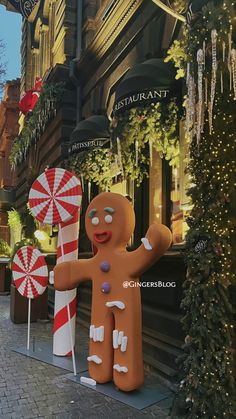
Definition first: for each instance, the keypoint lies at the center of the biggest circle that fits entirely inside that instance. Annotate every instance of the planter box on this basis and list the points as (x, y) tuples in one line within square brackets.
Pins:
[(19, 307), (4, 287)]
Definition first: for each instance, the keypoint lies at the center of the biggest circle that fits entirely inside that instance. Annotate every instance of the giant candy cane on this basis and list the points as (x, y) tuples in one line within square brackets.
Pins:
[(55, 198), (68, 244)]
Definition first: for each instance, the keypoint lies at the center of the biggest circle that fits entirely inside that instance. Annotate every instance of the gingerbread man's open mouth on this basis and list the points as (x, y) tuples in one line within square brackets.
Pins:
[(102, 236)]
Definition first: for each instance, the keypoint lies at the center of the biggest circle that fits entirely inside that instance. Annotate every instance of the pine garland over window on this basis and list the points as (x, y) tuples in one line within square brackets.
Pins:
[(134, 133)]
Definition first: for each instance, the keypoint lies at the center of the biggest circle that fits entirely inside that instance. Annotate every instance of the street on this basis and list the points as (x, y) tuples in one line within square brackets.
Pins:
[(32, 389)]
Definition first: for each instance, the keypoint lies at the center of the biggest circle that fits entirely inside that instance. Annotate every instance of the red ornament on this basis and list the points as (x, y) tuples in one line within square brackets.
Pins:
[(30, 98)]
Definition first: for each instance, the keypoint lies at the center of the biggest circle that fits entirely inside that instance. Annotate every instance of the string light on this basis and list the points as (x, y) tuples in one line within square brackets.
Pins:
[(208, 360)]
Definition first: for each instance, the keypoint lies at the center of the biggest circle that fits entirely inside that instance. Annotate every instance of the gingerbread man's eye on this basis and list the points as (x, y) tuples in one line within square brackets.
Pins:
[(95, 221), (108, 219)]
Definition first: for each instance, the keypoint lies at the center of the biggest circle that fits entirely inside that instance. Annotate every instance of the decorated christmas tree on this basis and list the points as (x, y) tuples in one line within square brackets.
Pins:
[(207, 366)]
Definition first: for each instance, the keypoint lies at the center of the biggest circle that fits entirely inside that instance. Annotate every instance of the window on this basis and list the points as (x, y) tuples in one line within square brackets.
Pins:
[(168, 202), (155, 189)]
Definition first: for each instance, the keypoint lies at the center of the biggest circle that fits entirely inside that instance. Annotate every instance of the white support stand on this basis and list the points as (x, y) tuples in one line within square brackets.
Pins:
[(29, 315)]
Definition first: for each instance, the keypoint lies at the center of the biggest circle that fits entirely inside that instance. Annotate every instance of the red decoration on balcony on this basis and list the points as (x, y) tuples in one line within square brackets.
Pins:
[(30, 98)]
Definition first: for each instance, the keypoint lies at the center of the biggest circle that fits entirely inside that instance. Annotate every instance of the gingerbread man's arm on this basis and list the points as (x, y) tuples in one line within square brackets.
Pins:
[(154, 245), (68, 275)]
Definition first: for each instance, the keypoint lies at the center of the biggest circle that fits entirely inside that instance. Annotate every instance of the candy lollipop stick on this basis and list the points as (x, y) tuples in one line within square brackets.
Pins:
[(28, 333)]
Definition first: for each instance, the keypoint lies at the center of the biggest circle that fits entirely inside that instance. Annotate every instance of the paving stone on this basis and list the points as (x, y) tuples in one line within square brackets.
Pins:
[(31, 389)]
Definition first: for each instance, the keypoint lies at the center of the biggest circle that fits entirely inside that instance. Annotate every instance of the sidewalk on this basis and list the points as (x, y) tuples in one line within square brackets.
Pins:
[(32, 389)]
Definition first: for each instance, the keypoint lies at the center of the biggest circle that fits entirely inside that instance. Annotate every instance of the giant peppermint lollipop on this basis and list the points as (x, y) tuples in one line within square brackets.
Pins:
[(55, 198), (30, 275)]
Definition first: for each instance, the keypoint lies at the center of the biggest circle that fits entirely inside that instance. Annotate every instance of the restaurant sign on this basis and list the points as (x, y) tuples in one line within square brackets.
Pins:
[(140, 98), (79, 146)]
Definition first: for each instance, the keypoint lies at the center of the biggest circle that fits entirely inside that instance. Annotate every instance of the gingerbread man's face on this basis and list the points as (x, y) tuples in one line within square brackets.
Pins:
[(109, 220)]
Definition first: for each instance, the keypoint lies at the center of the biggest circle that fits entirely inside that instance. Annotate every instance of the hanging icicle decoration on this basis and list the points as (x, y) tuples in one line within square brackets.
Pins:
[(136, 153), (190, 103), (206, 91), (229, 56), (116, 168), (204, 54), (233, 66), (221, 73), (200, 61), (82, 182), (119, 155), (89, 191), (221, 82), (150, 152), (223, 51), (175, 172), (213, 78)]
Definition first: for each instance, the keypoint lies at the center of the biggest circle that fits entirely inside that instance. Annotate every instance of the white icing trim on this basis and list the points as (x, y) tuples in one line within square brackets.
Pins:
[(146, 243), (121, 334), (115, 339), (118, 368), (117, 304), (86, 380), (101, 336), (94, 358), (96, 333), (124, 344)]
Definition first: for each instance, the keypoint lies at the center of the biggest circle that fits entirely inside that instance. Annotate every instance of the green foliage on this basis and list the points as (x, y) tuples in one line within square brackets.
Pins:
[(94, 166), (5, 249), (207, 389), (36, 122), (137, 128), (177, 54), (14, 220), (140, 128)]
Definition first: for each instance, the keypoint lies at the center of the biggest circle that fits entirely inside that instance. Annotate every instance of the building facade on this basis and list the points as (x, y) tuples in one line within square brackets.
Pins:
[(9, 115), (123, 43), (110, 55)]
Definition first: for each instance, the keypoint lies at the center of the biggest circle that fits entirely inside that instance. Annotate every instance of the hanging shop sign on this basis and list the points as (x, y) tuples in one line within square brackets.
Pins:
[(24, 7), (139, 98), (79, 146)]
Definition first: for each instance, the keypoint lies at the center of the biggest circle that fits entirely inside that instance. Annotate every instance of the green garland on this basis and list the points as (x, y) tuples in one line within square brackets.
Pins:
[(94, 166), (207, 389), (137, 129), (5, 249), (36, 123)]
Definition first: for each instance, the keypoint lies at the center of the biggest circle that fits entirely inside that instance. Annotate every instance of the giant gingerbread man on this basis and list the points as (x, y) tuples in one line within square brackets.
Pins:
[(116, 332)]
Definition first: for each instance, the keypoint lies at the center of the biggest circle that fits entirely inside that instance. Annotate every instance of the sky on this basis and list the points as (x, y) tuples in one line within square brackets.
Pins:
[(10, 33)]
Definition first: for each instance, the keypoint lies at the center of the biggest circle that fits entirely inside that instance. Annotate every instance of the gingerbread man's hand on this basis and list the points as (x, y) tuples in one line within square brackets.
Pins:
[(158, 238), (68, 275), (62, 277), (154, 245)]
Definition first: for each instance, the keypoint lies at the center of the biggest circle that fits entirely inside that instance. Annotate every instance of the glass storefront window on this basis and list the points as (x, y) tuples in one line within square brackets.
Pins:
[(177, 214), (167, 196)]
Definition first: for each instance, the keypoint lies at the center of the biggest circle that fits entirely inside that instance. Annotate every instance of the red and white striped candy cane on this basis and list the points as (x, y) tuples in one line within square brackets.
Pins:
[(61, 339)]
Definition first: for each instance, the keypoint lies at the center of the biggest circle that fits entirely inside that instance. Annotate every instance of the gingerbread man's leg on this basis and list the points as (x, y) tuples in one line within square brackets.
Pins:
[(128, 371), (100, 357)]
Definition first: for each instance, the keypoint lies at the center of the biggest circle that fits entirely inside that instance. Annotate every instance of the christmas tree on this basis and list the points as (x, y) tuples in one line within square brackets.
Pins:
[(207, 387)]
